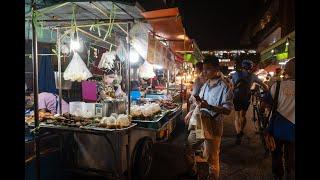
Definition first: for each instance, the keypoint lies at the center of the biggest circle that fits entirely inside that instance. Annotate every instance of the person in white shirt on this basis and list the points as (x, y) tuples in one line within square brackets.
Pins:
[(214, 100), (280, 135)]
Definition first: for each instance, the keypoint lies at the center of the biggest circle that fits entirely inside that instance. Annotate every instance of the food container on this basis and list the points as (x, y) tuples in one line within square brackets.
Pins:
[(77, 108), (98, 109), (89, 110), (66, 84), (114, 106)]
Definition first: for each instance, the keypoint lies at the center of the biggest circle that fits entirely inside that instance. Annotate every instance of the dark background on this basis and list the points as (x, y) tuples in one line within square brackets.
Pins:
[(12, 59)]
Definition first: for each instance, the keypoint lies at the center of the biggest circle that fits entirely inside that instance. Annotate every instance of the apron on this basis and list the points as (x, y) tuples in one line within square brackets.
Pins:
[(57, 104)]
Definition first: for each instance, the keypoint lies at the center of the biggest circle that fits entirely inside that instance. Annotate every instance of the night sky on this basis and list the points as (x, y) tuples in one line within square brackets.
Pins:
[(218, 24)]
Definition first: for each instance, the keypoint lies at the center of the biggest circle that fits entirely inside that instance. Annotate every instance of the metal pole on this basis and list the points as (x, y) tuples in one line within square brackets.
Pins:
[(129, 99), (35, 92), (181, 96), (128, 67), (59, 70), (168, 80), (181, 93)]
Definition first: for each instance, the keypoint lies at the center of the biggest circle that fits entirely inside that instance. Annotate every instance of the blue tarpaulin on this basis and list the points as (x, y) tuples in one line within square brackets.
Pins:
[(46, 74)]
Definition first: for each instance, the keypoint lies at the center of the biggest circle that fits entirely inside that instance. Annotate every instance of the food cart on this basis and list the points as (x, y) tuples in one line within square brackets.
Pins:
[(126, 147)]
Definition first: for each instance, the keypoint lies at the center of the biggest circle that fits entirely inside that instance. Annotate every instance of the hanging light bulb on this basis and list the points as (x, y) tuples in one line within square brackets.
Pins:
[(75, 45), (134, 56)]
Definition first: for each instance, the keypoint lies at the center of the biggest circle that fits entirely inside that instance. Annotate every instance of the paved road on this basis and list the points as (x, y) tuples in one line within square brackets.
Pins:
[(238, 162)]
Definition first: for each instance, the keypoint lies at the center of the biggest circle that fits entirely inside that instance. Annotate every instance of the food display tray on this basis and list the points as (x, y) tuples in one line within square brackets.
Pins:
[(157, 122), (84, 129)]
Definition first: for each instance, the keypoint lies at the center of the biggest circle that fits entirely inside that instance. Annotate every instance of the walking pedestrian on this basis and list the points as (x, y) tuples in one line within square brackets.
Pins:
[(215, 100), (280, 135), (242, 81)]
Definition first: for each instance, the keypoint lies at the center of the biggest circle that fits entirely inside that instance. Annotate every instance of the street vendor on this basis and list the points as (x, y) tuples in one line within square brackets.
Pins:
[(47, 102), (135, 93), (109, 87)]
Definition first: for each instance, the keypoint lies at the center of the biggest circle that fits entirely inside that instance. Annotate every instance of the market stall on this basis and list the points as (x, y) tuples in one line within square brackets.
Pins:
[(113, 126), (170, 30)]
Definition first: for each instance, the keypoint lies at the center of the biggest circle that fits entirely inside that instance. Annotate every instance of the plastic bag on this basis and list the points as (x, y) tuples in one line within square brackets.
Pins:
[(146, 71), (193, 118), (107, 60), (195, 121), (139, 33), (76, 70), (121, 51)]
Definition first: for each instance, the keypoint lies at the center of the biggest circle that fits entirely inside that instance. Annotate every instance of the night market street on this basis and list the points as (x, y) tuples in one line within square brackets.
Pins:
[(158, 90), (238, 162)]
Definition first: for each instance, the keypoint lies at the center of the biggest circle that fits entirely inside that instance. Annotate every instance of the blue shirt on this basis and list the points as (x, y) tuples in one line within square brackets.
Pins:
[(135, 95), (216, 93), (240, 74), (196, 87)]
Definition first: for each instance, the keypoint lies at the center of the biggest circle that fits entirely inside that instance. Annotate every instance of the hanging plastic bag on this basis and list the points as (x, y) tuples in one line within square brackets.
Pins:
[(107, 60), (146, 71), (139, 34), (121, 51), (76, 70)]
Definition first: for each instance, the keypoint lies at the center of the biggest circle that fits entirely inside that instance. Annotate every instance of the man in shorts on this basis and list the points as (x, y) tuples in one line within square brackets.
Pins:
[(242, 81)]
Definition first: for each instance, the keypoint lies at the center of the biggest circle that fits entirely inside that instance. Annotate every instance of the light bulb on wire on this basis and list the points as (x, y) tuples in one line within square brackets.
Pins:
[(75, 45), (134, 56)]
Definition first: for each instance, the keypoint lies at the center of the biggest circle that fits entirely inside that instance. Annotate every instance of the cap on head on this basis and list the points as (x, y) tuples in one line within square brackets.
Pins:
[(247, 64), (213, 60)]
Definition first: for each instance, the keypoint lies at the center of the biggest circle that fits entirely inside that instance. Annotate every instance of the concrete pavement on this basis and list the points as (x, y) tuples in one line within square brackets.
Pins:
[(238, 162)]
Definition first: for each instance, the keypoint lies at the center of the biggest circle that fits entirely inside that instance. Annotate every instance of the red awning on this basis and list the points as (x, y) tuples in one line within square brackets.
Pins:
[(167, 24)]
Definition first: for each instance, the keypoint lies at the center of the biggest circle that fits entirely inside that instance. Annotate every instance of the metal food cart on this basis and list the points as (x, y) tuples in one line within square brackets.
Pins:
[(128, 150)]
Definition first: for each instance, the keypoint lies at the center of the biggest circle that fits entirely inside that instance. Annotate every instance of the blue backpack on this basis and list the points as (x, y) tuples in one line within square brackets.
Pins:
[(242, 87)]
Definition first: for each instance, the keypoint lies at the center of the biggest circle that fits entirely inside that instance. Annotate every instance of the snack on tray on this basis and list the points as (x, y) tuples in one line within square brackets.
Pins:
[(115, 115), (123, 120), (155, 108), (168, 104), (45, 115), (136, 111), (108, 122), (147, 111), (29, 119)]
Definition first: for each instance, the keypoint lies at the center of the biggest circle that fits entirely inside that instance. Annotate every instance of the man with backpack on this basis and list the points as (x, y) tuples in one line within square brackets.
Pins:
[(242, 81), (280, 135)]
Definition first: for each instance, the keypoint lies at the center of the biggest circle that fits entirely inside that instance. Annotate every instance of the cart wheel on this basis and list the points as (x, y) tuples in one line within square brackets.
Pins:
[(142, 158)]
